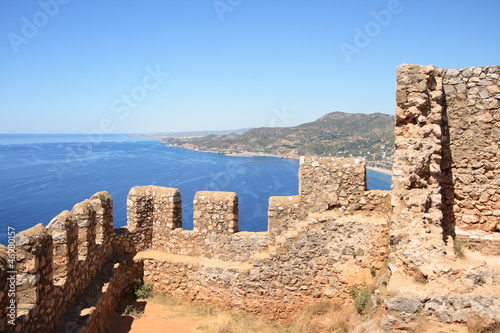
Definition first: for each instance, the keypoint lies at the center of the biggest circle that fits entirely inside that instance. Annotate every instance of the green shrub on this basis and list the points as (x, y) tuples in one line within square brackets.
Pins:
[(144, 290), (361, 298)]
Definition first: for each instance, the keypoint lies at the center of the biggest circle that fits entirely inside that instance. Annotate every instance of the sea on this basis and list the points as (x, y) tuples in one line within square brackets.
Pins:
[(43, 174)]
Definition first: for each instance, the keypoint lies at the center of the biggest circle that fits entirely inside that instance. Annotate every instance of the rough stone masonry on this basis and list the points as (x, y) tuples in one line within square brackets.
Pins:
[(324, 241)]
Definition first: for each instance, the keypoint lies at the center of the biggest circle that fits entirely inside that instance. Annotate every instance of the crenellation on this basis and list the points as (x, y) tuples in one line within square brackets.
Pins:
[(140, 215), (283, 213), (167, 205), (333, 236), (34, 287), (139, 208), (327, 183), (167, 208), (33, 264), (85, 217), (215, 212), (102, 204), (56, 264), (64, 231)]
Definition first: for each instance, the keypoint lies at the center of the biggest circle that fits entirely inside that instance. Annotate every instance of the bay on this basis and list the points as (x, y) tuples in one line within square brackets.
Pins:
[(42, 175)]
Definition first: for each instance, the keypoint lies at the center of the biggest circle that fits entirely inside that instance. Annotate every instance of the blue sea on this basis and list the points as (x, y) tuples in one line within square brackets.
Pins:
[(42, 175)]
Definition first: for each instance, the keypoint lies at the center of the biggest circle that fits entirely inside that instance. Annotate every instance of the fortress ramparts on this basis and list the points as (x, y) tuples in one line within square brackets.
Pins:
[(333, 236)]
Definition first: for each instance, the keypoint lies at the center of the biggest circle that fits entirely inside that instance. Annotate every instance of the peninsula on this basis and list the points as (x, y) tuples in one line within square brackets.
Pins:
[(335, 134)]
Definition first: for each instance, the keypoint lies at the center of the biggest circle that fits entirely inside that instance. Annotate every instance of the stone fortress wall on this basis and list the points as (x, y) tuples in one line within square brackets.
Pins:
[(446, 173), (320, 243), (445, 188)]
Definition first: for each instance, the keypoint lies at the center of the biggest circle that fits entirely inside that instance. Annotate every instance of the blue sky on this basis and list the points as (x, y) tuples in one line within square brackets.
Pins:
[(74, 66)]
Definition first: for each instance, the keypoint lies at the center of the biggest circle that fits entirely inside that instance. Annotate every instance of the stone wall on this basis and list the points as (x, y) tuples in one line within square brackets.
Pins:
[(446, 162), (417, 233), (322, 259), (123, 276), (34, 287), (445, 183), (283, 213), (332, 236), (55, 264), (334, 242), (314, 247), (331, 183), (215, 212), (472, 105)]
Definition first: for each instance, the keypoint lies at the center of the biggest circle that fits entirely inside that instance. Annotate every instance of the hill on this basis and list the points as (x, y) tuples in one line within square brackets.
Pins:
[(334, 134)]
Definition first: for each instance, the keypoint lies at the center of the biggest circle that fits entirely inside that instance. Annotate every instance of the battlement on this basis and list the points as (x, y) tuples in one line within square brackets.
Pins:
[(57, 263), (329, 183), (330, 237), (215, 212)]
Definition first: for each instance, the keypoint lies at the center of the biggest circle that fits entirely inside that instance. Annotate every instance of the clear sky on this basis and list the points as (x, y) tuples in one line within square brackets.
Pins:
[(123, 66)]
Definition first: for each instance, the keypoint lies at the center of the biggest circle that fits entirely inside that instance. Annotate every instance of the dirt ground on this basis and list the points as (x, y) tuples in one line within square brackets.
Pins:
[(156, 319)]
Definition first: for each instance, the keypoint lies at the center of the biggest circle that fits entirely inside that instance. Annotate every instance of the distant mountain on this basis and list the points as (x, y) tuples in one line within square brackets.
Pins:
[(335, 134), (194, 133)]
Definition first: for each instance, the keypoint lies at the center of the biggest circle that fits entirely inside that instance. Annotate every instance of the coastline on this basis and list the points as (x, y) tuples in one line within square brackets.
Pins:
[(252, 154), (248, 154), (381, 170)]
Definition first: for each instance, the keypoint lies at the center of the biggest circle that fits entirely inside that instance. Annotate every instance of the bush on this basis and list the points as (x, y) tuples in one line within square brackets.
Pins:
[(361, 298), (144, 290)]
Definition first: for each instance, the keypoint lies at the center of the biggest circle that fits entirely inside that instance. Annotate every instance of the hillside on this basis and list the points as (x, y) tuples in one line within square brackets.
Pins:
[(335, 134)]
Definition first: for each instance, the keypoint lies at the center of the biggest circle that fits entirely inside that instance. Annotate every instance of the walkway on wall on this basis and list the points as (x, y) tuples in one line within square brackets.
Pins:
[(78, 316), (177, 258)]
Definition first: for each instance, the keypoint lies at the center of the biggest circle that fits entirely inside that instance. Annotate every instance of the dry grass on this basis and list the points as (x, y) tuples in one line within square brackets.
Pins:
[(477, 324), (459, 245), (184, 308), (133, 311), (226, 322), (215, 319), (421, 324), (323, 316)]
